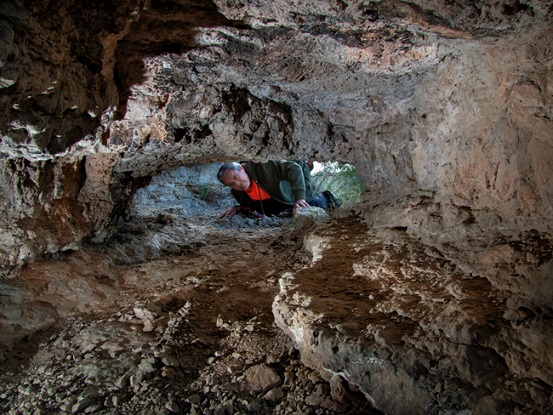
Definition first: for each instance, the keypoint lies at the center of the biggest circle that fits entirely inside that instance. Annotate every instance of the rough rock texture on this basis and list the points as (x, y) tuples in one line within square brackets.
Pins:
[(187, 331), (411, 330), (443, 107), (451, 100)]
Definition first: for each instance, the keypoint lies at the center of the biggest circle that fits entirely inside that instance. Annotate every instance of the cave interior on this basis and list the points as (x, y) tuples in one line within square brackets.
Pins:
[(431, 294)]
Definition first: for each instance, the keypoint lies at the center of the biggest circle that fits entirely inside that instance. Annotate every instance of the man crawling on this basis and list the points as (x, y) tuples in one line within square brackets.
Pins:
[(272, 188)]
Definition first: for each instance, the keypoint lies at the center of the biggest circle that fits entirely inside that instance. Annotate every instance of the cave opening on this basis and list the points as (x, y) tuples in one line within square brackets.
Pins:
[(195, 192), (178, 307)]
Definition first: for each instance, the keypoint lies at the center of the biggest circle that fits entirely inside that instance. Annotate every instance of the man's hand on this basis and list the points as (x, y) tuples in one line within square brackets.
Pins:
[(300, 203), (230, 212)]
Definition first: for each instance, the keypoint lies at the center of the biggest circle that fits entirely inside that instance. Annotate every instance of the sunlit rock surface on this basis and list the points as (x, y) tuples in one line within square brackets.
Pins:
[(443, 107)]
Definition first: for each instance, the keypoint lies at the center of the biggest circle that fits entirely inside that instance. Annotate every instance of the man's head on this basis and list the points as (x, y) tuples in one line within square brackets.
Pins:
[(234, 176)]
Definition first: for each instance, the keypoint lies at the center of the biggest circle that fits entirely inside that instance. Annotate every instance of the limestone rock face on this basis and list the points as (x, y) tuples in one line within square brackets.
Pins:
[(452, 100), (445, 108), (411, 330)]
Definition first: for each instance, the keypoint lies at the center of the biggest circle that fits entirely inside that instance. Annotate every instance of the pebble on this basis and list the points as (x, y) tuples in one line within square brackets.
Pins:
[(172, 406), (194, 399), (274, 395), (261, 377)]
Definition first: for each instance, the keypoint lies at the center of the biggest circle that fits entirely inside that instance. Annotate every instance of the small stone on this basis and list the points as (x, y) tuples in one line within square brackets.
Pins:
[(168, 360), (226, 409), (108, 402), (194, 399), (289, 377), (261, 378), (115, 400), (274, 395), (92, 408), (26, 390), (168, 372), (143, 313), (338, 391), (314, 400), (82, 403), (314, 377), (172, 406), (254, 406), (148, 365), (148, 326), (136, 379), (122, 382), (321, 389), (307, 216)]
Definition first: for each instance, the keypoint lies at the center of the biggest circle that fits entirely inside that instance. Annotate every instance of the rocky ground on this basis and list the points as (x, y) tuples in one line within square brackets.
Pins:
[(185, 312), (149, 324)]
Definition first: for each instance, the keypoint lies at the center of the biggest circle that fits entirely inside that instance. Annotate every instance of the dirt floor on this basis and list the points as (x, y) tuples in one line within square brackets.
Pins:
[(171, 316)]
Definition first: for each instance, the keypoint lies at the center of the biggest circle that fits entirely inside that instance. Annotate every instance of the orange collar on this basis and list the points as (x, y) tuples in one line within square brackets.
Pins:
[(255, 192)]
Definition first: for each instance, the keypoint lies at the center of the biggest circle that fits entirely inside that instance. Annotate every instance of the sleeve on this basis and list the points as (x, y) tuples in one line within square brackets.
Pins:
[(293, 173), (309, 189), (242, 198)]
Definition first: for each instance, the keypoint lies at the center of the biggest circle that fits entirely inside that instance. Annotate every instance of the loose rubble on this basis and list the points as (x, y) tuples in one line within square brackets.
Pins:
[(193, 334), (102, 366)]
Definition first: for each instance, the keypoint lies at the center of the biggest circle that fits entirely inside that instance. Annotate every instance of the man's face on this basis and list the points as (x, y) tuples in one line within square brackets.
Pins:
[(237, 179)]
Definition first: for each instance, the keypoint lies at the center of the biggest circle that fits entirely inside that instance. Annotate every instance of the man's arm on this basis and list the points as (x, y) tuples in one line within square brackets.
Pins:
[(293, 173), (244, 204), (230, 212), (300, 203), (299, 177)]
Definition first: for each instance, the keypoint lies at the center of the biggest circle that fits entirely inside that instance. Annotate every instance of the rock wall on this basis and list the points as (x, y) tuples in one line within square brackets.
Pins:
[(445, 108), (453, 102), (411, 329)]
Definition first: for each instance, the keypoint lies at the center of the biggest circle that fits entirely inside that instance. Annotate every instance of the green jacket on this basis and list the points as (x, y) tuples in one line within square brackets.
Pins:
[(284, 180)]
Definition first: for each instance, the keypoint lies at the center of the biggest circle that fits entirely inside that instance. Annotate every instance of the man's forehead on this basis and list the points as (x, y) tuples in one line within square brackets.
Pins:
[(230, 174)]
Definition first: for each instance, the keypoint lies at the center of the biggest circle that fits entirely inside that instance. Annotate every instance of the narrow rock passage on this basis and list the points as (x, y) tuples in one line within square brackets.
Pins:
[(189, 330)]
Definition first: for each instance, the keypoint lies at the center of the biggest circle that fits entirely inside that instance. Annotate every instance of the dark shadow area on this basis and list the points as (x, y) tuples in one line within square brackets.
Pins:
[(164, 28), (66, 63)]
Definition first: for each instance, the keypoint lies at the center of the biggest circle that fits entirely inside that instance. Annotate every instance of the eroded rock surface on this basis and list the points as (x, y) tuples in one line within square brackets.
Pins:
[(453, 101), (414, 332), (187, 329), (443, 107)]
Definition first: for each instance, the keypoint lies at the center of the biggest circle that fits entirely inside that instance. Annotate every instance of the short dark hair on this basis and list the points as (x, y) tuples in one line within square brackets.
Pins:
[(224, 167)]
